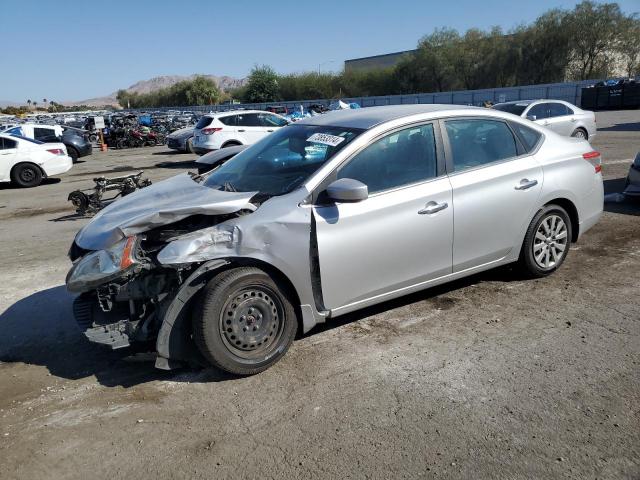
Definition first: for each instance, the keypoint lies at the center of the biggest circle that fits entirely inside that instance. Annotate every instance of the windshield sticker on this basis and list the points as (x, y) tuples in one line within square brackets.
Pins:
[(326, 139)]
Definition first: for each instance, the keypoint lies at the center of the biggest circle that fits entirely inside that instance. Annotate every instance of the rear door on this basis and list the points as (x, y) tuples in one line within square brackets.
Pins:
[(560, 119), (250, 128), (8, 154), (398, 237), (496, 183)]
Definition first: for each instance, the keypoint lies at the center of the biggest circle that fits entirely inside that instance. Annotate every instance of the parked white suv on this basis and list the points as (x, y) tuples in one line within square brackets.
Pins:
[(240, 127)]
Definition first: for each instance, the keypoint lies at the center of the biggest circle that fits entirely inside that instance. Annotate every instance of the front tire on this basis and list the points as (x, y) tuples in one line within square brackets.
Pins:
[(547, 241), (244, 322), (26, 175)]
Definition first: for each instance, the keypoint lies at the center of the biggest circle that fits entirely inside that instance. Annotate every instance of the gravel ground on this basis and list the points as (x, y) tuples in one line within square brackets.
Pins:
[(488, 377)]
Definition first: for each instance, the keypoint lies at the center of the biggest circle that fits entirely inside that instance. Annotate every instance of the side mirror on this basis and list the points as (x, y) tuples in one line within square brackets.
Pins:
[(531, 117), (347, 190)]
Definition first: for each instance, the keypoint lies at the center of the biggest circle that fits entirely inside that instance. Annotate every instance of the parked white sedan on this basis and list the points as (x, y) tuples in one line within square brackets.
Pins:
[(25, 162), (562, 117)]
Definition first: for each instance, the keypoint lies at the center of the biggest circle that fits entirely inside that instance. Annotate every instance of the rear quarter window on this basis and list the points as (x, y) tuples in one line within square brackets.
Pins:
[(229, 120), (528, 136), (204, 122)]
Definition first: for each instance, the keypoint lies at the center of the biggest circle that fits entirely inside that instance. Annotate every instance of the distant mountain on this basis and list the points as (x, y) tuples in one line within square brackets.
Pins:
[(9, 103), (225, 83)]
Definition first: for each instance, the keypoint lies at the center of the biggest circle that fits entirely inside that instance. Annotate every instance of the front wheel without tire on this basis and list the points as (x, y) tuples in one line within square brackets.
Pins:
[(244, 322), (547, 241)]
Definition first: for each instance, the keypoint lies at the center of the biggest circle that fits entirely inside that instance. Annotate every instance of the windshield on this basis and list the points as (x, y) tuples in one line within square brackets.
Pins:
[(515, 108), (282, 161)]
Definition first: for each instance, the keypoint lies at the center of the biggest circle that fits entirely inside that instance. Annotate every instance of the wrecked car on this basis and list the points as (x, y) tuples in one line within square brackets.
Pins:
[(632, 182), (324, 217)]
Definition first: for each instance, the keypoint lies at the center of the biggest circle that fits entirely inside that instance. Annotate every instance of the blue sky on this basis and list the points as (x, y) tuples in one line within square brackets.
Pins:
[(73, 50)]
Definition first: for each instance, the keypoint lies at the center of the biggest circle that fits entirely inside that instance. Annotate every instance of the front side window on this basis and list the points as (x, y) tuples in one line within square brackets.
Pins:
[(402, 158), (478, 142), (281, 161), (269, 120), (539, 111), (557, 110)]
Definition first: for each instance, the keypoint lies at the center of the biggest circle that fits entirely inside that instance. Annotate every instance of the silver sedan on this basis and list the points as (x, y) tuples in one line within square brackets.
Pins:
[(562, 117), (324, 217)]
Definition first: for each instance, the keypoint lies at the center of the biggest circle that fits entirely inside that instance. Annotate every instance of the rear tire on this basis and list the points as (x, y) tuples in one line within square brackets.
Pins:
[(73, 153), (244, 322), (26, 175), (546, 243), (580, 133)]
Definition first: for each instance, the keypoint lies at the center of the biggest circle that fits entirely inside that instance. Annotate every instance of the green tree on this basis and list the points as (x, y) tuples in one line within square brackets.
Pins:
[(595, 30), (629, 45), (262, 85)]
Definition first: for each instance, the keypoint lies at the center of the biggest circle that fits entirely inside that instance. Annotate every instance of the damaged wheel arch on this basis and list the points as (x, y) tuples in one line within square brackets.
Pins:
[(175, 344)]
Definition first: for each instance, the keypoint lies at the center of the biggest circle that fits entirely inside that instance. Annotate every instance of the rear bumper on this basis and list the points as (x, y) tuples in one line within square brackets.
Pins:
[(85, 150), (58, 165)]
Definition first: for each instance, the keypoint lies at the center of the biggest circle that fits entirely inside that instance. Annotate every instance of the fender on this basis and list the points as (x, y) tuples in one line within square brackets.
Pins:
[(173, 342)]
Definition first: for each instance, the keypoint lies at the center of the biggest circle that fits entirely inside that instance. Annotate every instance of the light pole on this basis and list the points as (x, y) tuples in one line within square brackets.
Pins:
[(324, 63)]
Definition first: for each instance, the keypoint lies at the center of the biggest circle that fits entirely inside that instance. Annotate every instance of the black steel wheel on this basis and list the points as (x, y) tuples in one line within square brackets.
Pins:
[(26, 175), (244, 322)]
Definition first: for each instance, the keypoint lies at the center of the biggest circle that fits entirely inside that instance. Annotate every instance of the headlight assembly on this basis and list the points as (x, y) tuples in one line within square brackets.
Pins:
[(101, 266)]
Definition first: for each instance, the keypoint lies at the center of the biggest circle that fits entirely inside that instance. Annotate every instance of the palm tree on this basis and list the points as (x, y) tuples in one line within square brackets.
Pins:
[(44, 100), (35, 105), (29, 103)]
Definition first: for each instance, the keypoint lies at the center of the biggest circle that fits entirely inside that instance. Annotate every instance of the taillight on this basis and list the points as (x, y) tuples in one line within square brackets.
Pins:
[(210, 131), (127, 253), (56, 151), (595, 159)]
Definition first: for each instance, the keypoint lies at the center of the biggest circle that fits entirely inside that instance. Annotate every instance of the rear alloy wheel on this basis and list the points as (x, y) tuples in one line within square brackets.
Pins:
[(547, 241), (245, 322), (580, 133), (26, 175)]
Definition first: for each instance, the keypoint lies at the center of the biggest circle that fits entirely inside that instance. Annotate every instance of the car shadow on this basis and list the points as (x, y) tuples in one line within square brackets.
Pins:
[(622, 127), (40, 330), (45, 182), (169, 152), (616, 202)]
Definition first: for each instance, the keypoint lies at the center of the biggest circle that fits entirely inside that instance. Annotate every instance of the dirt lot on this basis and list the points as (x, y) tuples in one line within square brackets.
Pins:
[(490, 377)]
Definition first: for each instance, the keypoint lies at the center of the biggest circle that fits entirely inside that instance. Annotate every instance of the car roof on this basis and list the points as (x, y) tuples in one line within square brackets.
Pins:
[(369, 117), (233, 112)]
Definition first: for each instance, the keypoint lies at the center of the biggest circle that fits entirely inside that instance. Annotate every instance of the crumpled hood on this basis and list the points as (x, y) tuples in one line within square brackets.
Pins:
[(159, 204)]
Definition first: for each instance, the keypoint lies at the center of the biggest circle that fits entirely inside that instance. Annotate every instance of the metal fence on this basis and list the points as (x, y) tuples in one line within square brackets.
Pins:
[(570, 92)]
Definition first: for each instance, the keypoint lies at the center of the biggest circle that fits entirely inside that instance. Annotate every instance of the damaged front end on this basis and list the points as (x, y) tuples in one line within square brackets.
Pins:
[(124, 288)]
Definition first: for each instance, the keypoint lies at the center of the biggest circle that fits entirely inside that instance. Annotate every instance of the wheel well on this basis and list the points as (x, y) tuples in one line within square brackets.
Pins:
[(573, 215), (586, 134), (230, 143)]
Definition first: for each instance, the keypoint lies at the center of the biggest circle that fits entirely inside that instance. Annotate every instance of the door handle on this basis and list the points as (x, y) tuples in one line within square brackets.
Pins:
[(432, 207), (573, 120), (269, 130), (525, 183), (241, 130)]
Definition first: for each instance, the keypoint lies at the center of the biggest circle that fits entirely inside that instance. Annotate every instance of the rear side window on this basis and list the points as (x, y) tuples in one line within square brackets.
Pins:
[(44, 134), (229, 120), (402, 158), (478, 142), (249, 120), (557, 110), (6, 143), (528, 136), (539, 111), (204, 122)]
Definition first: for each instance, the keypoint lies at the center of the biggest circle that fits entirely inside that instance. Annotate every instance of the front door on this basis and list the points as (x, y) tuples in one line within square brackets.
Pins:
[(398, 237)]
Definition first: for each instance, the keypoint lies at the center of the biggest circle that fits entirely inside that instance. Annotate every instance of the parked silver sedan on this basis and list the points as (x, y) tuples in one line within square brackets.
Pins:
[(323, 217), (557, 115)]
